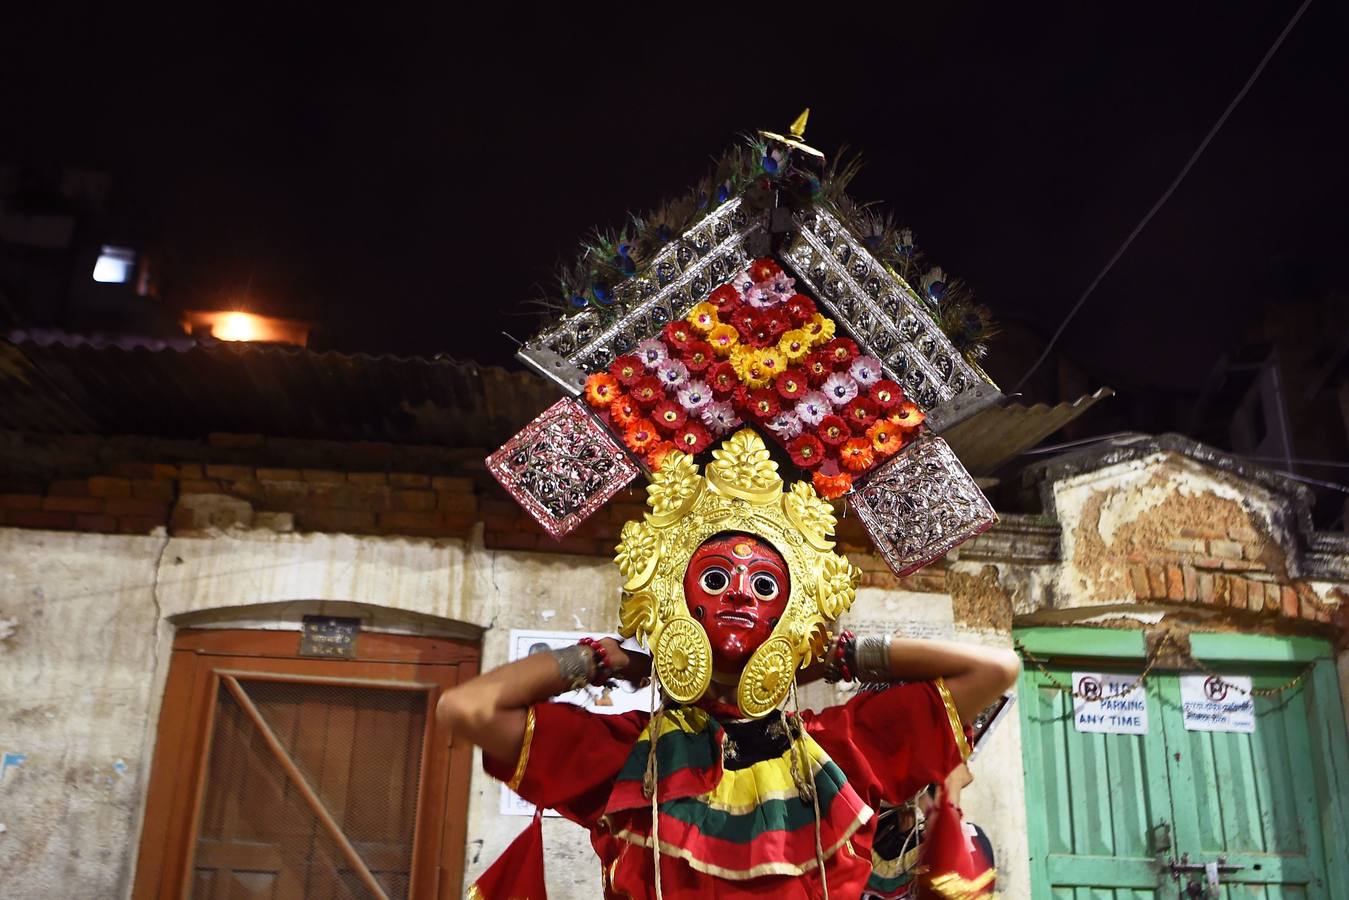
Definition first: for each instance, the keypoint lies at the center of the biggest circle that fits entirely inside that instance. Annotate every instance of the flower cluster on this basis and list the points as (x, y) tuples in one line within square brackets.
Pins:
[(756, 350)]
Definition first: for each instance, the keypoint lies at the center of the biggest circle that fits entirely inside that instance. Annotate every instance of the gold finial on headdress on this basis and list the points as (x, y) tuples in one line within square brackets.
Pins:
[(741, 491), (796, 135)]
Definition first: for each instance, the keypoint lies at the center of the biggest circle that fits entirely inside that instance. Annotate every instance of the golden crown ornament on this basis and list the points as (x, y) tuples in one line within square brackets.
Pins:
[(741, 491)]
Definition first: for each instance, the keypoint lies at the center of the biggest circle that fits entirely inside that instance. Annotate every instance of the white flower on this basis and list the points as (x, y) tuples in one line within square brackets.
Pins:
[(672, 373), (865, 370), (652, 353), (759, 298), (719, 416), (813, 407), (785, 425), (783, 285), (694, 395), (839, 388)]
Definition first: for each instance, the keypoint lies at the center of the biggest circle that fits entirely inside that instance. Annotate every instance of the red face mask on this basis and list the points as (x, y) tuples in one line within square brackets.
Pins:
[(736, 586)]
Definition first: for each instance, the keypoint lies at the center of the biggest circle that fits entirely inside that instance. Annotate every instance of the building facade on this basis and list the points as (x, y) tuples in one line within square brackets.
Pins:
[(171, 726)]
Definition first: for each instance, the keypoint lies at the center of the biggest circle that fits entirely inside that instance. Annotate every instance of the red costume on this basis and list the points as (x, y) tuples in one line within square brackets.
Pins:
[(733, 820)]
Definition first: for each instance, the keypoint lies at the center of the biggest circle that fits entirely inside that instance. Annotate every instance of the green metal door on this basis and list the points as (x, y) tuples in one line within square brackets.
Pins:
[(1107, 813)]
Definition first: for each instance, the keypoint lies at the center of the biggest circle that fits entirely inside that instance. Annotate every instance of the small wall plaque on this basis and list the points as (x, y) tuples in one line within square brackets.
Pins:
[(330, 636)]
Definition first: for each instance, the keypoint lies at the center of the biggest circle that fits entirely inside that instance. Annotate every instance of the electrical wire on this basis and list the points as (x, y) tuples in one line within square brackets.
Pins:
[(1194, 157)]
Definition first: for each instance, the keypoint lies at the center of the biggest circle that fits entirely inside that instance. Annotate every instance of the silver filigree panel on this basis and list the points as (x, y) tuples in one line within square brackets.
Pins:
[(880, 311), (562, 466), (680, 276), (921, 504)]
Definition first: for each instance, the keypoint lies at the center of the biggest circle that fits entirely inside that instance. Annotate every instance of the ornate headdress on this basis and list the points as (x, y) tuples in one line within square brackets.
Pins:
[(765, 300), (740, 492)]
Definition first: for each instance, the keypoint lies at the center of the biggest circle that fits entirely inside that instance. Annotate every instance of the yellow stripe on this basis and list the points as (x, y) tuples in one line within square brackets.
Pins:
[(957, 729), (952, 887), (523, 761), (743, 790)]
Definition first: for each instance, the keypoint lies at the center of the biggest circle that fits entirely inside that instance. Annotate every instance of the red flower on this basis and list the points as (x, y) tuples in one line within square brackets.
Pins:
[(860, 413), (831, 487), (647, 391), (806, 451), (841, 352), (764, 270), (669, 416), (602, 390), (767, 327), (656, 455), (678, 334), (692, 438), (792, 385), (627, 369), (856, 455), (800, 307), (624, 412), (818, 368), (833, 430), (886, 394), (698, 356), (723, 380), (640, 435), (907, 416), (743, 320), (763, 404), (725, 299)]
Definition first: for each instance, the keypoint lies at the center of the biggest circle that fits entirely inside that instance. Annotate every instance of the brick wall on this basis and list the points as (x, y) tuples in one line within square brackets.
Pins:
[(136, 485)]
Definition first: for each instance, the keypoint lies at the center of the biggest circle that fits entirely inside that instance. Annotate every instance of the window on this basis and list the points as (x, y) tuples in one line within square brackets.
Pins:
[(115, 265)]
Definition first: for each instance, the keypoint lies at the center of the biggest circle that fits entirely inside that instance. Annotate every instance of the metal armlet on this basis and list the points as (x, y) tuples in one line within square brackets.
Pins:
[(576, 665), (873, 658)]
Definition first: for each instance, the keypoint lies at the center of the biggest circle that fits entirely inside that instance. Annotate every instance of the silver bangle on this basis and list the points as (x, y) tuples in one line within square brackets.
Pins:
[(576, 665), (873, 658)]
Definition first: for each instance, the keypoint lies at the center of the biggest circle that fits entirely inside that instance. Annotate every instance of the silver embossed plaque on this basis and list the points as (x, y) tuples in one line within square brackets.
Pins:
[(562, 466), (921, 504)]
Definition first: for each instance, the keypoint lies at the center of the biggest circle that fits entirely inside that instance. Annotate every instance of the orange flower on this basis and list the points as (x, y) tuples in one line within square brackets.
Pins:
[(907, 416), (601, 390), (831, 487), (855, 454), (640, 436), (886, 437), (624, 411), (655, 457)]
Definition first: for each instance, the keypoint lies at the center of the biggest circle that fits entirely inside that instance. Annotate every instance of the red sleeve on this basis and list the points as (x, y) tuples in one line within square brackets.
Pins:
[(891, 743), (569, 758)]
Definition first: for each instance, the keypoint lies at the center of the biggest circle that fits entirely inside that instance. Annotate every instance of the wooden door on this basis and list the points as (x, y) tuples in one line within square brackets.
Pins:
[(1271, 802), (1106, 813), (280, 777)]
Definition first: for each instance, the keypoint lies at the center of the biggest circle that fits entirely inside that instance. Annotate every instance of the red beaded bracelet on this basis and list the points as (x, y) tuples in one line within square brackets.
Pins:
[(602, 667)]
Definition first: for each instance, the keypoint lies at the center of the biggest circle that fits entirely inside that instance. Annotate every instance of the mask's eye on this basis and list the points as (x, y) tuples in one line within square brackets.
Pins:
[(765, 586), (715, 580)]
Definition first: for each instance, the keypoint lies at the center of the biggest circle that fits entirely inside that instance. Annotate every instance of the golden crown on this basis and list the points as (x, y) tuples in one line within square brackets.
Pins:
[(741, 492)]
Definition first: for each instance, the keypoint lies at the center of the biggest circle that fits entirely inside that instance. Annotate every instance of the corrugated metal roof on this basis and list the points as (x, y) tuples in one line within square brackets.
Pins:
[(998, 433), (59, 383)]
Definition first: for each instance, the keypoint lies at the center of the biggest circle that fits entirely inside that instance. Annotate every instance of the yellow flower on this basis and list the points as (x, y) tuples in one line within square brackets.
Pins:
[(703, 317), (749, 368), (723, 339), (795, 344), (772, 362), (820, 329)]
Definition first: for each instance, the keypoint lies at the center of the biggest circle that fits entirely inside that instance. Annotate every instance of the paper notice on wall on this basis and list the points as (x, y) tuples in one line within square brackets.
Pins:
[(1210, 703), (619, 699), (1109, 704)]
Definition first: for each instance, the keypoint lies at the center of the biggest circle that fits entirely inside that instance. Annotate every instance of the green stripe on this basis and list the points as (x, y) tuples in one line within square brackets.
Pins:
[(770, 815), (879, 885), (676, 750)]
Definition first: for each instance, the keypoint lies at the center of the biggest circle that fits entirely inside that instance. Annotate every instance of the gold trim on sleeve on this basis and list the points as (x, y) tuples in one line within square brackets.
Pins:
[(514, 783), (953, 715)]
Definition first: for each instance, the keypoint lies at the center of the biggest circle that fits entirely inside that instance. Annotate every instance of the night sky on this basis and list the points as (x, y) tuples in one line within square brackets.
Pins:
[(408, 179)]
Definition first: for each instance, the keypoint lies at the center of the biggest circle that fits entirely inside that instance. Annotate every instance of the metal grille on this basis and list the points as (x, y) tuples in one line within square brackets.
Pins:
[(311, 791)]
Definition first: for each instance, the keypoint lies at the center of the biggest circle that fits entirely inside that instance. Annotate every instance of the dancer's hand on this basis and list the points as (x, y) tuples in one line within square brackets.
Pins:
[(631, 667)]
